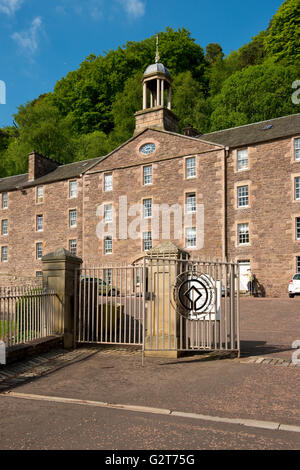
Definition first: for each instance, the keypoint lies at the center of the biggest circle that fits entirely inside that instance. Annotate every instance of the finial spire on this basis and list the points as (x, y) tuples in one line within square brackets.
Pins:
[(157, 58)]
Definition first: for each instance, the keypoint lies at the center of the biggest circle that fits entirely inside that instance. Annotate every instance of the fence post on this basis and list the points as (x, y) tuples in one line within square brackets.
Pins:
[(59, 270), (164, 332)]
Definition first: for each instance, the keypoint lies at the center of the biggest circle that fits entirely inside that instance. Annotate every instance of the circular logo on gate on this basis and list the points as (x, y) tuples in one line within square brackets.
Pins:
[(194, 294)]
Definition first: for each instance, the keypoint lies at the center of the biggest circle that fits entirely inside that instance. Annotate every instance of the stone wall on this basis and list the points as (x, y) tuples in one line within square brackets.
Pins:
[(271, 214), (169, 187), (22, 235)]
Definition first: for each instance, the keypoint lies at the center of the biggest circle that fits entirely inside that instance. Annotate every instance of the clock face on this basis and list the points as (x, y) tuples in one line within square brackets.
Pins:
[(147, 149)]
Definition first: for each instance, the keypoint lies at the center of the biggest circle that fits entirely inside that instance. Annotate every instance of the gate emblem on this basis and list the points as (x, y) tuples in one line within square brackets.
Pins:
[(194, 295)]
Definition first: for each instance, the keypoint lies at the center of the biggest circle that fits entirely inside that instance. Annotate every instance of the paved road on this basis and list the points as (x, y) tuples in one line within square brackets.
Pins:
[(269, 326), (227, 388), (47, 426)]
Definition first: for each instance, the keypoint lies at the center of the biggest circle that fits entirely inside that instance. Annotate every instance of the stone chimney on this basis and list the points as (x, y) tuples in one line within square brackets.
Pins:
[(39, 165), (190, 131)]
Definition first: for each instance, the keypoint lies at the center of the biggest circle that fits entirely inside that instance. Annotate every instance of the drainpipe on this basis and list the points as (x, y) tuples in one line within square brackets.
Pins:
[(225, 228), (82, 218)]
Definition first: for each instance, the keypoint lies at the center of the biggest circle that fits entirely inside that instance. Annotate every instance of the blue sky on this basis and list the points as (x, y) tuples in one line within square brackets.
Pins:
[(42, 41)]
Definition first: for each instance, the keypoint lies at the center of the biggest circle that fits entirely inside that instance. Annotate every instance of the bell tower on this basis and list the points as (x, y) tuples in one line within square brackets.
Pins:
[(157, 99)]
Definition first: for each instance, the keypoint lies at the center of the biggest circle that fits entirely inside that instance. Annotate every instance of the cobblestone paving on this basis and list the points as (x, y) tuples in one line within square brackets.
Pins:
[(269, 361), (21, 372)]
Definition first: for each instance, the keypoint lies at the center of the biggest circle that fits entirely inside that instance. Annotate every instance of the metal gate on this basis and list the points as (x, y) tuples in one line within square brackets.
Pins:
[(163, 304), (110, 305)]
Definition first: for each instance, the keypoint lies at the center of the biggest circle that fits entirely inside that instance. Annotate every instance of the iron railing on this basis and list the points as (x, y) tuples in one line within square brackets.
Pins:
[(138, 304), (27, 314), (109, 305)]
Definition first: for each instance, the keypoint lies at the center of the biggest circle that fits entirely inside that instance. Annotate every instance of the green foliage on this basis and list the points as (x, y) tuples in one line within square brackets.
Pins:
[(91, 110), (91, 145), (126, 104), (214, 52), (254, 52), (282, 41), (255, 94), (190, 104)]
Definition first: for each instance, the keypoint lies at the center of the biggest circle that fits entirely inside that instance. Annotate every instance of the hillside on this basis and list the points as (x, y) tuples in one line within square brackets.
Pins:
[(91, 110)]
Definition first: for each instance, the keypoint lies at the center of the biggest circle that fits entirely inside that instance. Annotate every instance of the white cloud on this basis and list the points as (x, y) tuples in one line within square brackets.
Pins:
[(28, 40), (134, 8), (9, 7), (92, 8)]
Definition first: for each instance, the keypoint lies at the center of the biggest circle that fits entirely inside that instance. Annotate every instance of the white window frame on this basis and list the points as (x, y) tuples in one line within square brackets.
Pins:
[(297, 149), (243, 234), (297, 188), (38, 225), (40, 198), (147, 177), (72, 219), (297, 227), (147, 241), (4, 200), (4, 232), (108, 248), (147, 208), (190, 237), (39, 250), (190, 203), (190, 170), (73, 246), (242, 197), (108, 213), (108, 186), (73, 186), (4, 254), (241, 166)]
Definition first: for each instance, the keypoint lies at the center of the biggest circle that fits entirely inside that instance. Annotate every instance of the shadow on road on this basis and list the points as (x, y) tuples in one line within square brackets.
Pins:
[(259, 348)]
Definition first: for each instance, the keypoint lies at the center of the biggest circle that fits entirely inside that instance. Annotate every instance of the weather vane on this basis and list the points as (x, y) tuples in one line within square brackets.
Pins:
[(157, 58)]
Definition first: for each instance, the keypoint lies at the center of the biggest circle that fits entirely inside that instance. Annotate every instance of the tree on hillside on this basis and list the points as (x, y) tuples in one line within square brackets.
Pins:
[(42, 129), (189, 103), (254, 52), (282, 41), (214, 52), (86, 96), (125, 106), (256, 93)]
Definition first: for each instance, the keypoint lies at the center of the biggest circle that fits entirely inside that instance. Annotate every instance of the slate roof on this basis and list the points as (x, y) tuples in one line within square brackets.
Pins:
[(62, 172), (236, 137), (12, 182), (256, 133)]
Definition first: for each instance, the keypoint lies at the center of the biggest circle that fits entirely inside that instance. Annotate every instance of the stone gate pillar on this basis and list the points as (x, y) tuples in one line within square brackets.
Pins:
[(59, 270), (164, 262)]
